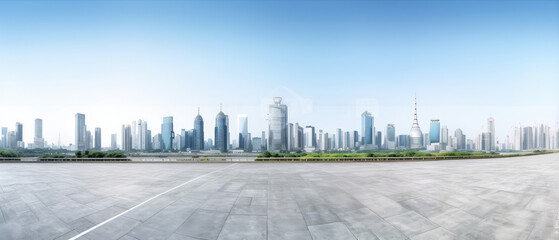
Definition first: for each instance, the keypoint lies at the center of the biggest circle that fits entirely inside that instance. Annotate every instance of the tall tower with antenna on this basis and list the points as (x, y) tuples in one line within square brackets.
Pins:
[(416, 136)]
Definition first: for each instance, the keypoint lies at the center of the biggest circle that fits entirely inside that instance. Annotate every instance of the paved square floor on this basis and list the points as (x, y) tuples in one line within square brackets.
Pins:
[(508, 198)]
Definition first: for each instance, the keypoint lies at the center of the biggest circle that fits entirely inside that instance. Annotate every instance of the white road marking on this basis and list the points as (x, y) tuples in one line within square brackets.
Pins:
[(144, 202)]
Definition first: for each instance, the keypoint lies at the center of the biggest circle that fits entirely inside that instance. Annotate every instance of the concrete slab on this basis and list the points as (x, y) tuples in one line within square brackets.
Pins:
[(506, 198)]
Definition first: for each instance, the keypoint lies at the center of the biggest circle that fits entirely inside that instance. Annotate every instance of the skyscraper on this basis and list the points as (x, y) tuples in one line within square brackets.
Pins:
[(198, 132), (80, 132), (126, 138), (416, 136), (19, 132), (310, 139), (221, 131), (98, 139), (444, 137), (298, 137), (290, 134), (528, 138), (143, 140), (88, 140), (12, 139), (367, 125), (403, 142), (264, 141), (460, 139), (113, 141), (277, 126), (340, 138), (38, 140), (435, 131), (378, 140), (38, 128), (242, 128), (390, 138), (325, 142), (491, 131), (257, 144), (167, 133), (4, 137), (134, 133)]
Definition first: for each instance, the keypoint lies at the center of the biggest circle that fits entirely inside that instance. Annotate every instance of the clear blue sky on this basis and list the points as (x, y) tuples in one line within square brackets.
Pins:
[(118, 61)]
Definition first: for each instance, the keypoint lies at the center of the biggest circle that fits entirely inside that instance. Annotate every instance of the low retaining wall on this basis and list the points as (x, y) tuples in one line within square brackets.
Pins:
[(381, 159), (84, 159), (3, 159)]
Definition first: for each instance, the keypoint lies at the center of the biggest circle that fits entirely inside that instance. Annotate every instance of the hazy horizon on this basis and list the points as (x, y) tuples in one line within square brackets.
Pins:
[(120, 61)]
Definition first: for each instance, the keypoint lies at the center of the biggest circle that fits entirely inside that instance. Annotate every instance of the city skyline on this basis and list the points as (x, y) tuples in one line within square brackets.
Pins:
[(137, 135), (118, 63)]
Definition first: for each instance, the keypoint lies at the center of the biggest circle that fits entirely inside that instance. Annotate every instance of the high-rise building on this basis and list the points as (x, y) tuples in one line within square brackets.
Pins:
[(38, 140), (221, 131), (491, 131), (290, 134), (198, 133), (390, 138), (367, 126), (167, 133), (143, 141), (264, 141), (325, 141), (435, 131), (444, 137), (19, 132), (4, 137), (378, 140), (126, 138), (183, 146), (528, 138), (257, 143), (518, 138), (346, 140), (277, 126), (157, 141), (339, 138), (416, 136), (80, 132), (460, 140), (134, 133), (88, 140), (354, 139), (98, 139), (310, 138), (403, 142), (242, 128), (298, 137), (113, 141), (38, 128), (486, 142), (12, 139), (541, 140)]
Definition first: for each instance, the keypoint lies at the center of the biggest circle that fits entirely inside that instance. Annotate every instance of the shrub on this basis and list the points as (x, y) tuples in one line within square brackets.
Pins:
[(8, 154)]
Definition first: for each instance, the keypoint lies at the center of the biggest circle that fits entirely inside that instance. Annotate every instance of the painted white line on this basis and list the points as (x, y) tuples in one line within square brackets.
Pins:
[(144, 202)]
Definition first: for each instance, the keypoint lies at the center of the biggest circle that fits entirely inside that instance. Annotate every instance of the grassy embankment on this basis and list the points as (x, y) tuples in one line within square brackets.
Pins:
[(408, 154), (87, 154)]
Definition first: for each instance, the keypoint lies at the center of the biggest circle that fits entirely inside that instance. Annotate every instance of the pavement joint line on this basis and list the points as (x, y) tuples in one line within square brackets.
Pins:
[(146, 201)]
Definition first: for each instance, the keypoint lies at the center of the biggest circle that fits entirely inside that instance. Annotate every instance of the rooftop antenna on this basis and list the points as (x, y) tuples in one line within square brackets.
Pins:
[(415, 123), (198, 110), (220, 107)]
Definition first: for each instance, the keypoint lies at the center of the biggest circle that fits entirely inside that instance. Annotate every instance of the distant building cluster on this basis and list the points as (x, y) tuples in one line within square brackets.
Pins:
[(283, 136)]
